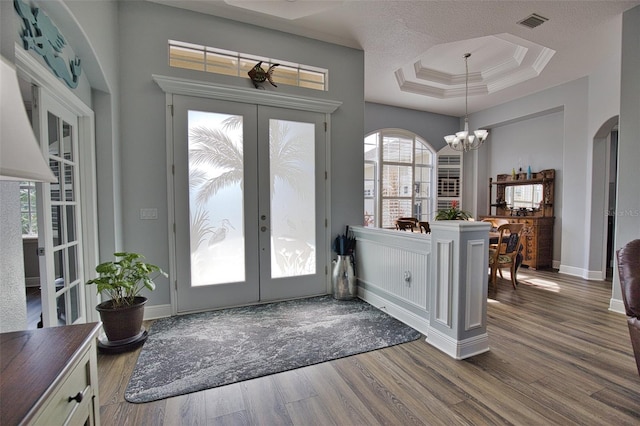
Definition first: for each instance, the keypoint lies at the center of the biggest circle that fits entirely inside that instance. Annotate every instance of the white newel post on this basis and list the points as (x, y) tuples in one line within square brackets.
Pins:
[(458, 290)]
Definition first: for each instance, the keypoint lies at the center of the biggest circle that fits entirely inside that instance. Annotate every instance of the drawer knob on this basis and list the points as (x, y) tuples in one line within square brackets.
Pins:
[(77, 398)]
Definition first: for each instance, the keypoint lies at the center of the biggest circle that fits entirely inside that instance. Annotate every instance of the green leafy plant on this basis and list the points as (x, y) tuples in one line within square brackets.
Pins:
[(123, 279), (453, 213)]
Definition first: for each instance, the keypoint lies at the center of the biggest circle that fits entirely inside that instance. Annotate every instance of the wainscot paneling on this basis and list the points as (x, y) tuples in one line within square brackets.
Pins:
[(393, 269), (436, 283)]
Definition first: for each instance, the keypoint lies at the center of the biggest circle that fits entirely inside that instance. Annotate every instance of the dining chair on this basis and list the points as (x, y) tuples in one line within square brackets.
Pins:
[(406, 223), (495, 222), (424, 227), (504, 253)]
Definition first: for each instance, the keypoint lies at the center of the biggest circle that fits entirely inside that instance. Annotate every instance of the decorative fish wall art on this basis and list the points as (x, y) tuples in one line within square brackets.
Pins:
[(42, 35), (258, 75)]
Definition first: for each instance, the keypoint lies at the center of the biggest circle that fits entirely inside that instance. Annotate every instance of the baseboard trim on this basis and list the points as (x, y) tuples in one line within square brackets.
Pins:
[(32, 282), (461, 349), (157, 311), (398, 312), (572, 270), (616, 305), (595, 276)]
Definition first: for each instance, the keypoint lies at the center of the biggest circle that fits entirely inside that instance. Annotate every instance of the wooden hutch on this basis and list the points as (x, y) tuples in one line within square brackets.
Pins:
[(528, 199)]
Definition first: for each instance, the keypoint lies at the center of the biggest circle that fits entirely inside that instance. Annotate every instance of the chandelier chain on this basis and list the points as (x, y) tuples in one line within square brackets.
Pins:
[(466, 85), (464, 140)]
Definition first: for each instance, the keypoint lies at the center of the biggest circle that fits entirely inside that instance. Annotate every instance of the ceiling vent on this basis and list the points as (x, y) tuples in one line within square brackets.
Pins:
[(533, 20)]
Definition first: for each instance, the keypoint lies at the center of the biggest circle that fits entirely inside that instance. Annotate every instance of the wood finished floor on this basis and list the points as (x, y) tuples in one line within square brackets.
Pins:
[(558, 357)]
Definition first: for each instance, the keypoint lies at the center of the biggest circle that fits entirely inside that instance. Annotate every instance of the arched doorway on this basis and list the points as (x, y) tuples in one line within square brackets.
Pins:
[(603, 201)]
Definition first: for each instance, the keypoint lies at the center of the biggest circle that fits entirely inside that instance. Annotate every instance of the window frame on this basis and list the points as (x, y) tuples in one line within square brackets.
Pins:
[(203, 58), (29, 209), (378, 163)]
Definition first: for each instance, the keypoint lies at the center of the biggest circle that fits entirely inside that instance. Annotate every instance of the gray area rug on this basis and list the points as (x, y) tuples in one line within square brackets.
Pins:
[(194, 352)]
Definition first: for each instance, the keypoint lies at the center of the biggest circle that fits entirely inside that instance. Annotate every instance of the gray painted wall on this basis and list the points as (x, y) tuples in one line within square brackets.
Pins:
[(431, 127), (604, 107), (531, 142), (144, 30), (572, 146), (99, 22), (628, 198)]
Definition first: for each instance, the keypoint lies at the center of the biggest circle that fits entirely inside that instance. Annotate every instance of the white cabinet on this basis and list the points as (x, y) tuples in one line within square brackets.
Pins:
[(50, 376)]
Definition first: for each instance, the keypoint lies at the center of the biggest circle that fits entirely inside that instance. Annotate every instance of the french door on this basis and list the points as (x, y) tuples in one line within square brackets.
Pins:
[(249, 194), (59, 220)]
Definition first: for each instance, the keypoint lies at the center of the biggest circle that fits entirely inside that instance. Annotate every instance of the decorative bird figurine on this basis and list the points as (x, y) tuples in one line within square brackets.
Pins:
[(259, 75), (219, 234)]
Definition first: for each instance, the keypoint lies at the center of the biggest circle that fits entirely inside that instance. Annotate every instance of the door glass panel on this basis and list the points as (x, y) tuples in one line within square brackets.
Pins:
[(55, 187), (54, 139), (292, 189), (73, 269), (216, 208), (74, 304), (67, 143), (68, 183), (61, 309), (71, 224), (58, 264), (56, 225)]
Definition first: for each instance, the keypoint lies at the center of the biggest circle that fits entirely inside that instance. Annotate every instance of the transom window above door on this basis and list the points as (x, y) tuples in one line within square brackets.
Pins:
[(220, 61), (398, 177)]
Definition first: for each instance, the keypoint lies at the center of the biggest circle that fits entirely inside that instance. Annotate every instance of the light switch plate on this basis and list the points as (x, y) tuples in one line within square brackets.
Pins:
[(148, 214)]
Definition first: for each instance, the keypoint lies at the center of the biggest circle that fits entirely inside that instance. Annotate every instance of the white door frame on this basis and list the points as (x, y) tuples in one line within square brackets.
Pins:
[(33, 71), (179, 86)]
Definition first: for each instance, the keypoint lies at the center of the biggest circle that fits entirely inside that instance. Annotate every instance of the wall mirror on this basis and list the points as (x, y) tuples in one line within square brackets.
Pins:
[(523, 196)]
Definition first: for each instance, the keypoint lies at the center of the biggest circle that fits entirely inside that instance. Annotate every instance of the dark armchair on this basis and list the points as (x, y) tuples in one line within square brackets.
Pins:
[(629, 271)]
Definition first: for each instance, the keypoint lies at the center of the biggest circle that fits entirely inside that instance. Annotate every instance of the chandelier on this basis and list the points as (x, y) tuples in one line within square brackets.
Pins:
[(463, 141)]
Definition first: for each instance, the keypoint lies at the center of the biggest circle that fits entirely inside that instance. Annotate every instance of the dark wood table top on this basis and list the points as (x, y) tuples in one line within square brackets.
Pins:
[(31, 364)]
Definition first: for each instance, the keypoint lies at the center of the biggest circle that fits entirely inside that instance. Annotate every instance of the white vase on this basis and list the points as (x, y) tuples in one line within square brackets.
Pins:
[(343, 279)]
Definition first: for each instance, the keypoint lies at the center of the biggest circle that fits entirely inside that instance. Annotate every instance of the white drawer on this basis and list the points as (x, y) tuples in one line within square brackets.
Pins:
[(60, 409)]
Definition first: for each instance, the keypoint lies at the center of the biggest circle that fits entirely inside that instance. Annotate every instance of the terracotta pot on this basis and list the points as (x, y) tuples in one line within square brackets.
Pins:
[(122, 323)]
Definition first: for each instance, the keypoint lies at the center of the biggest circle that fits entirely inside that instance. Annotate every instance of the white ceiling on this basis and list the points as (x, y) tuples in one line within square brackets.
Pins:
[(414, 49)]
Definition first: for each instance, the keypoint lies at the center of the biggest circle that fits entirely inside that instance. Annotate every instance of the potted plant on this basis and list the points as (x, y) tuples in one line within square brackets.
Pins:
[(453, 213), (122, 279)]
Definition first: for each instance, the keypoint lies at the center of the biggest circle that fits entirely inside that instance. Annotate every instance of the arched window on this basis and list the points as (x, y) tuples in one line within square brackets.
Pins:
[(398, 177)]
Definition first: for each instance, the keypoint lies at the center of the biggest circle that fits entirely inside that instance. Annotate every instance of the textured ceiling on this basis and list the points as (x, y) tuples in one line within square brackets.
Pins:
[(414, 49)]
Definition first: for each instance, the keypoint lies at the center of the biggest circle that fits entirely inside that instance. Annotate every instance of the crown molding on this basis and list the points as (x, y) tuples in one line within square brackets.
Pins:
[(205, 89)]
